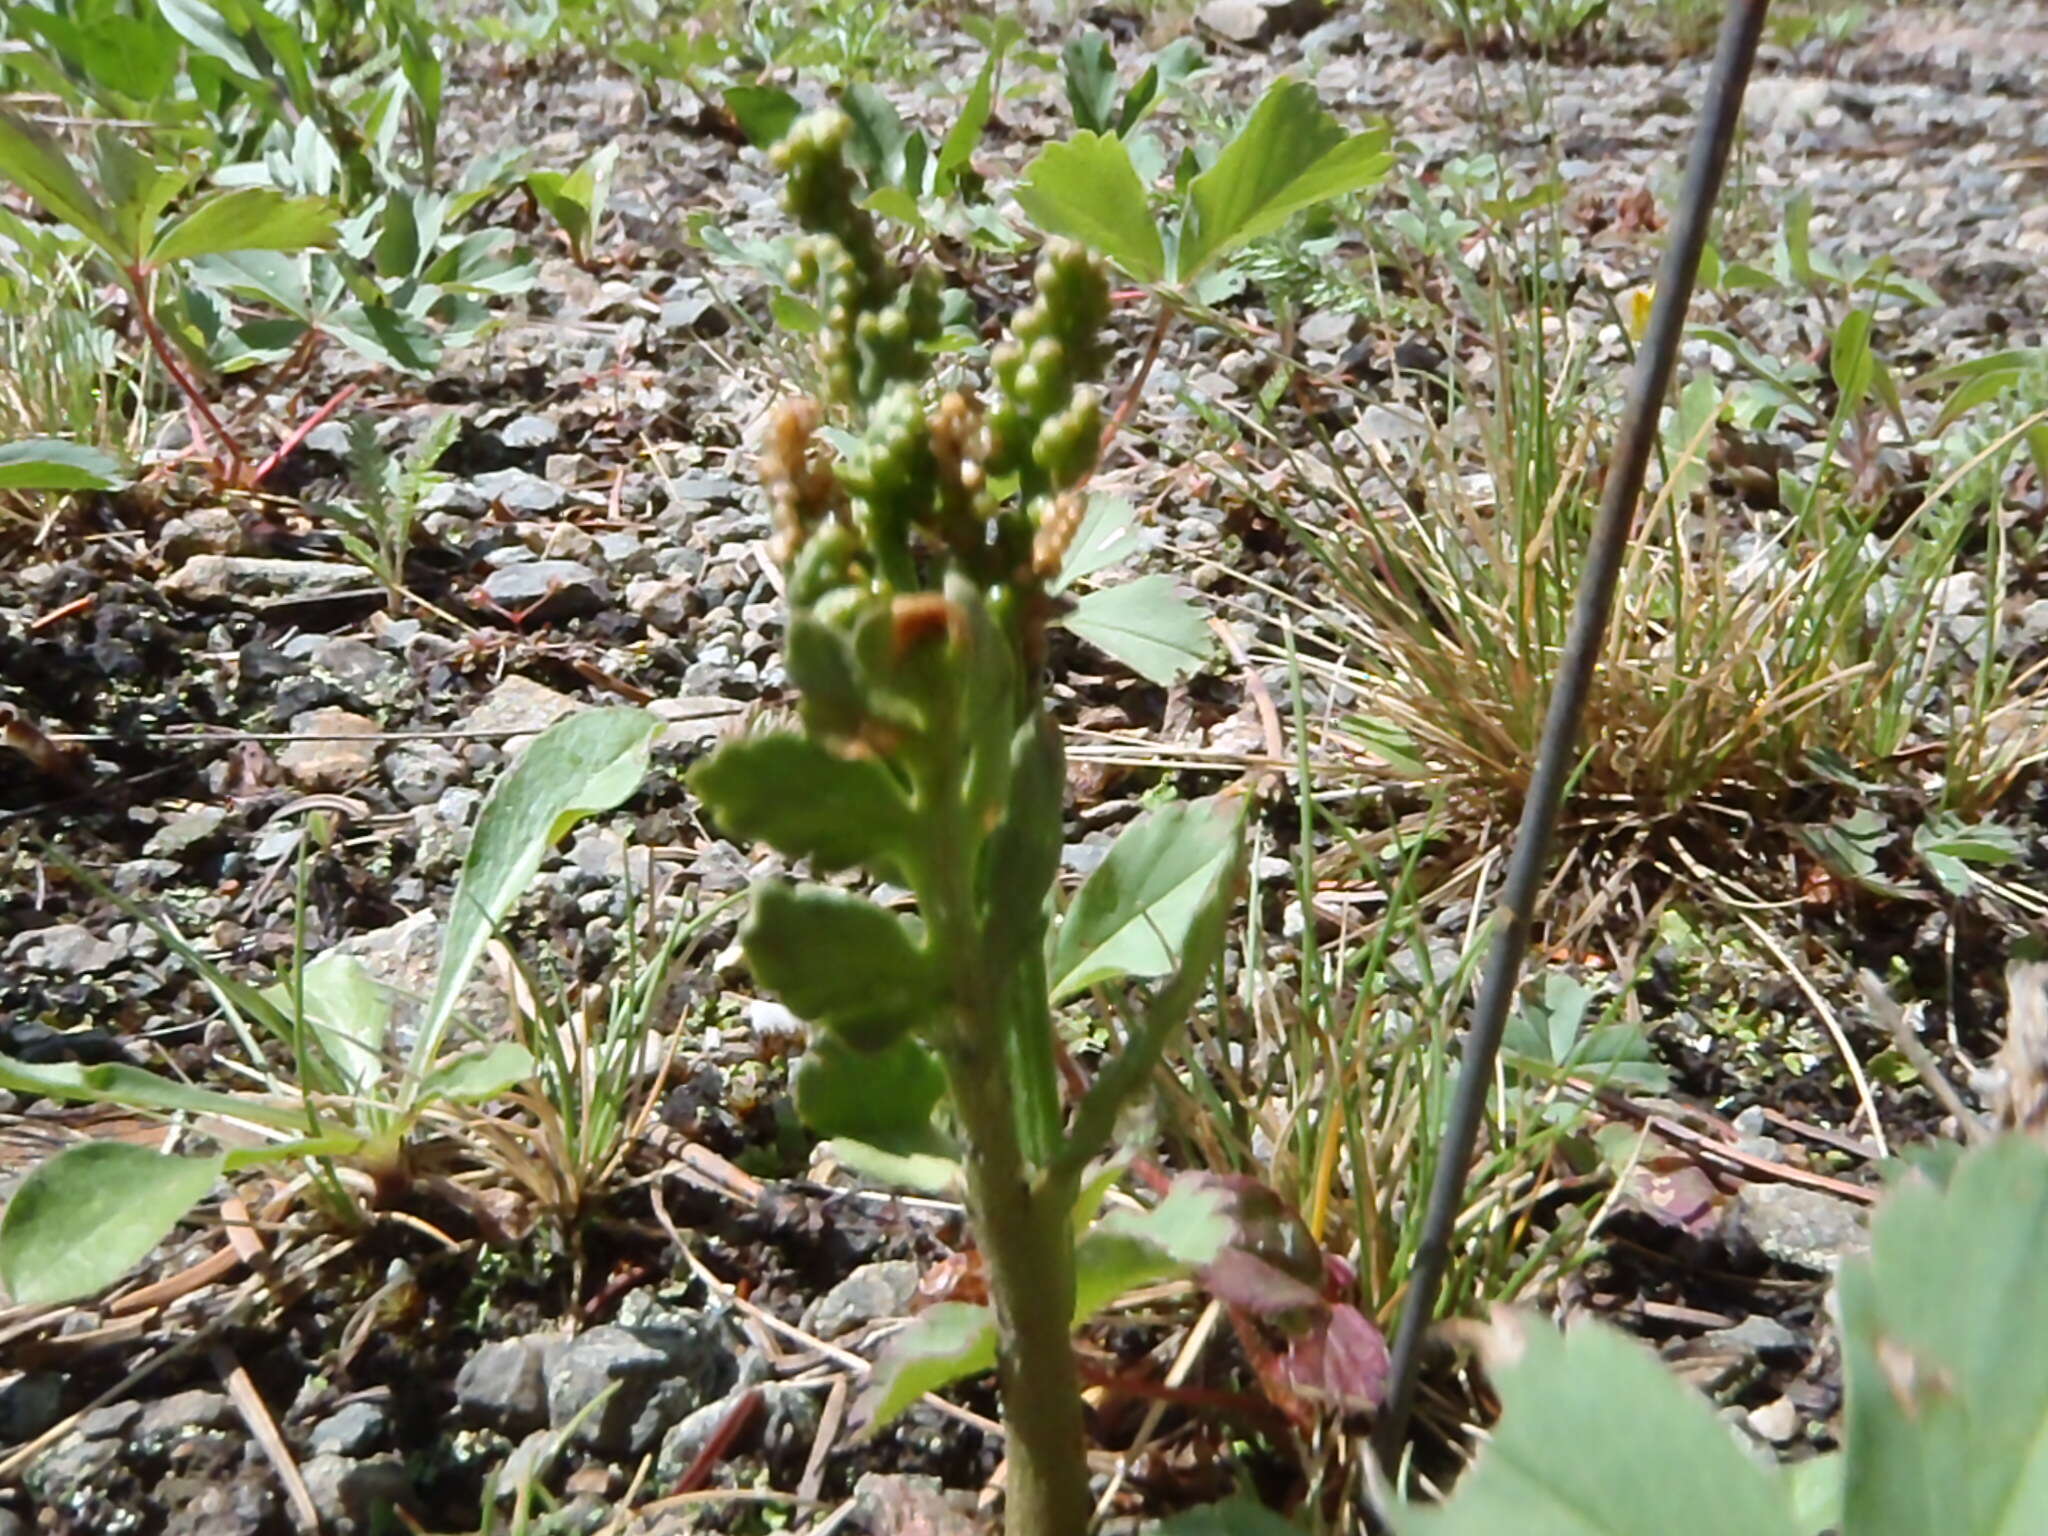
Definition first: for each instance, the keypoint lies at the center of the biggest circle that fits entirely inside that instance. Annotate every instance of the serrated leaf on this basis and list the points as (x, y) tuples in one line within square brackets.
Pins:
[(947, 1343), (1134, 914), (840, 962), (51, 464), (1087, 190), (1145, 624), (246, 219), (85, 1217), (806, 802), (1289, 156), (587, 763), (1597, 1438)]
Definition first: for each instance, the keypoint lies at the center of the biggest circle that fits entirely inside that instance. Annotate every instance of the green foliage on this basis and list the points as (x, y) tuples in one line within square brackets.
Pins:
[(1597, 1439), (345, 1099), (1534, 25), (1943, 1330), (576, 199), (389, 492), (79, 1221), (47, 464), (1290, 155), (1132, 915), (587, 763), (1191, 1227), (1548, 1036)]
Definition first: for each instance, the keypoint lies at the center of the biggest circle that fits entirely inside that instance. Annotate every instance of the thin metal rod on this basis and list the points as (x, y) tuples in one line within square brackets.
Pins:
[(1557, 749)]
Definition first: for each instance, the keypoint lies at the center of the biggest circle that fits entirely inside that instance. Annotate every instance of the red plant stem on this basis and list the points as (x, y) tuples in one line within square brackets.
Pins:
[(1130, 399), (300, 433), (138, 282), (736, 1419)]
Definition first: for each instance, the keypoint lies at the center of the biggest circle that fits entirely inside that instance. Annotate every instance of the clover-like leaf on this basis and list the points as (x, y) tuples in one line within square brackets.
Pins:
[(1598, 1438), (1289, 156)]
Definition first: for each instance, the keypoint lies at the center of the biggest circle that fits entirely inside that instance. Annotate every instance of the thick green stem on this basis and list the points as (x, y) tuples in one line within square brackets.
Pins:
[(1000, 1037), (1027, 1250)]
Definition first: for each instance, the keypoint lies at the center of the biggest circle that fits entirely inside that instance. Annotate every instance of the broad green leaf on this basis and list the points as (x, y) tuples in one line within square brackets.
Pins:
[(348, 1011), (1145, 624), (385, 337), (1598, 1438), (36, 163), (588, 763), (1134, 913), (475, 1076), (894, 203), (135, 189), (884, 1098), (839, 961), (84, 1218), (113, 1082), (1291, 155), (764, 112), (1138, 100), (1815, 1489), (808, 803), (1235, 1517), (1689, 437), (1983, 842), (947, 1343), (51, 464), (1945, 1347), (1108, 535), (246, 219), (1087, 190)]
